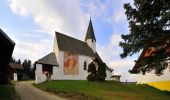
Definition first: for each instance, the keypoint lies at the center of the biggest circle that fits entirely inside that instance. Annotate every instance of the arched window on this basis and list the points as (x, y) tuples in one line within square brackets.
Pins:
[(85, 65), (92, 40)]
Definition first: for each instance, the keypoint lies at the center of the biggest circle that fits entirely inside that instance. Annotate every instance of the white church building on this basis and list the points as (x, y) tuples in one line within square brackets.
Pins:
[(70, 58)]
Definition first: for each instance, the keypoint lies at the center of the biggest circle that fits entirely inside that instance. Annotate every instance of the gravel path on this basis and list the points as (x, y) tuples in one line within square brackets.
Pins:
[(28, 92)]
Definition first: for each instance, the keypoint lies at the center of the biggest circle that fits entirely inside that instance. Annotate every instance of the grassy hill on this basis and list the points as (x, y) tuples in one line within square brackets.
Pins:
[(84, 90)]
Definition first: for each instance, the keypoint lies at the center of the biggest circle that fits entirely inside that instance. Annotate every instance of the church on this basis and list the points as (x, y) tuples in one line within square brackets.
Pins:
[(70, 58)]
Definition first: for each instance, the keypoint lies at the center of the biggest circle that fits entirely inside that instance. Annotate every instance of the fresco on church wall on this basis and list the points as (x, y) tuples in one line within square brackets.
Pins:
[(71, 66)]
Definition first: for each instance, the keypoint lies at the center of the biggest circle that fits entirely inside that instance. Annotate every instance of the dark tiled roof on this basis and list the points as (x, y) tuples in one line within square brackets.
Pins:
[(49, 59), (67, 43), (2, 32), (90, 32), (16, 66)]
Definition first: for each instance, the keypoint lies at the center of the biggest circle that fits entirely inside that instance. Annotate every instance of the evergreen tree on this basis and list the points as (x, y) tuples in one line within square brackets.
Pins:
[(92, 71), (27, 67), (18, 61), (149, 23), (101, 72), (97, 71), (13, 60)]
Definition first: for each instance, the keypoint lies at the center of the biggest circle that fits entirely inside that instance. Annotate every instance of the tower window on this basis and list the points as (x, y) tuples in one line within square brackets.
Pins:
[(92, 40), (85, 65)]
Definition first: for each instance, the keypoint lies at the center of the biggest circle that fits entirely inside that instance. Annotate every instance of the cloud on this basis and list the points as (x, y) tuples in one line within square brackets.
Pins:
[(59, 15), (115, 39)]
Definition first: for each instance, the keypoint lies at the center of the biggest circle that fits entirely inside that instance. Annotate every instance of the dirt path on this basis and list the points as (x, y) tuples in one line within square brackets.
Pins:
[(28, 92)]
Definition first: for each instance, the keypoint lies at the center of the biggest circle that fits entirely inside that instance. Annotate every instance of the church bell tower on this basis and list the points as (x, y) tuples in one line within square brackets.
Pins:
[(90, 37)]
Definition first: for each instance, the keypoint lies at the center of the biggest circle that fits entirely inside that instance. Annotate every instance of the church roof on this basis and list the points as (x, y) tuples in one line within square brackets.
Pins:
[(90, 32), (67, 43), (49, 59)]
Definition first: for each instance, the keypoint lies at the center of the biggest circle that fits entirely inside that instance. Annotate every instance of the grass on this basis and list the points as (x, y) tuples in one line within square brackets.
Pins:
[(7, 92), (84, 90)]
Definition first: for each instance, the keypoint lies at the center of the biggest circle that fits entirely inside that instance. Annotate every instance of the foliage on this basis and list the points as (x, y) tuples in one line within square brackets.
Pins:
[(26, 64), (91, 77), (149, 23), (108, 90), (13, 60), (92, 71), (97, 71), (101, 72)]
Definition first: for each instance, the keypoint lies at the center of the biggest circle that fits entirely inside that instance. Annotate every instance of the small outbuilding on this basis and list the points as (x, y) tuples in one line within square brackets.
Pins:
[(16, 71), (115, 77)]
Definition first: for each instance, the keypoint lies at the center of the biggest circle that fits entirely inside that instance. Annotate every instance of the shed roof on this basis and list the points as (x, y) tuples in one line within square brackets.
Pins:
[(49, 59)]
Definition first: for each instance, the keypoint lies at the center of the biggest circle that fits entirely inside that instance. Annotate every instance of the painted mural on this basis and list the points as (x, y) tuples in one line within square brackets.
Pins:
[(71, 66)]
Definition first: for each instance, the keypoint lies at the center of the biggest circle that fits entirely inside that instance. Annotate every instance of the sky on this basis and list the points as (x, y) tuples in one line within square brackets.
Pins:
[(31, 25)]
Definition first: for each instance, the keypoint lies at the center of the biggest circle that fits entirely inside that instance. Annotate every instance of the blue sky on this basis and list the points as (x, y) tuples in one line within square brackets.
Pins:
[(32, 23)]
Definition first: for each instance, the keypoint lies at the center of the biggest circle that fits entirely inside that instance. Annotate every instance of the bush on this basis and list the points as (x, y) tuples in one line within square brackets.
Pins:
[(91, 77)]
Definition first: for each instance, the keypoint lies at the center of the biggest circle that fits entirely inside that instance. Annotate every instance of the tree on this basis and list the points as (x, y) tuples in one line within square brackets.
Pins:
[(92, 71), (101, 72), (149, 23), (27, 67), (97, 71), (18, 61), (13, 60)]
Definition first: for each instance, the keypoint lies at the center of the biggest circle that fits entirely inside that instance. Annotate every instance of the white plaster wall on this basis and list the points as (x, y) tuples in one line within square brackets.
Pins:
[(55, 48), (56, 73), (60, 69), (39, 76), (151, 77), (92, 44), (108, 74), (15, 77), (115, 79)]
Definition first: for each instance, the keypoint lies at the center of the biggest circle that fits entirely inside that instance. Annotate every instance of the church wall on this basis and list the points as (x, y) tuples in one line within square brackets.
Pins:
[(55, 48), (39, 76), (92, 44), (82, 73)]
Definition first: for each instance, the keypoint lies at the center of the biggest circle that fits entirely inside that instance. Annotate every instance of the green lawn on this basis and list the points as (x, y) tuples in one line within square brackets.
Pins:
[(84, 90), (7, 92)]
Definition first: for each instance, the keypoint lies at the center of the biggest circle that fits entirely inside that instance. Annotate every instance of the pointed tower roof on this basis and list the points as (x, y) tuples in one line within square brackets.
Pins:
[(90, 32)]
